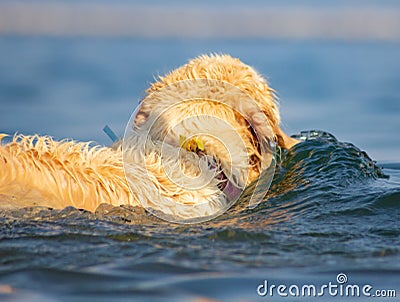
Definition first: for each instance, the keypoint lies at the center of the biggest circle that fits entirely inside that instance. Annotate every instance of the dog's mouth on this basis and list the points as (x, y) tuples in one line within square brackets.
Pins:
[(231, 191)]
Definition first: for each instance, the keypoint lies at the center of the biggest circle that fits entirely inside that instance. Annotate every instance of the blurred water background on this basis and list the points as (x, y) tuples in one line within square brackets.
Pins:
[(67, 68)]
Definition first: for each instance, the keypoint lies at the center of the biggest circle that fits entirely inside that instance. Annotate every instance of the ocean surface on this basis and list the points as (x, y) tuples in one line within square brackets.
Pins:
[(332, 208)]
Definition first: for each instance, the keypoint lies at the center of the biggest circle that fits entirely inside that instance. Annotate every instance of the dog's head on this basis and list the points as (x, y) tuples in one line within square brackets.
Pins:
[(219, 108), (216, 95)]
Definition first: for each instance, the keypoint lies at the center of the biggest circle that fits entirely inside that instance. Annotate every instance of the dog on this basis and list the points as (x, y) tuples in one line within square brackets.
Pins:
[(201, 133)]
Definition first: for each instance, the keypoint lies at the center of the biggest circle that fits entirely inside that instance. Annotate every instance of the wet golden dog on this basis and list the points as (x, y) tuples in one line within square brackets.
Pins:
[(213, 112)]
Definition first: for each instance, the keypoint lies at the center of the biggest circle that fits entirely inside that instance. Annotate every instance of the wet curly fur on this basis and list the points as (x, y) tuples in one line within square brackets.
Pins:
[(37, 170)]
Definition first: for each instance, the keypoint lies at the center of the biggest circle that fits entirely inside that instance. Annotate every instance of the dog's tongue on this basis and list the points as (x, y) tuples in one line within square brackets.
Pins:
[(231, 191)]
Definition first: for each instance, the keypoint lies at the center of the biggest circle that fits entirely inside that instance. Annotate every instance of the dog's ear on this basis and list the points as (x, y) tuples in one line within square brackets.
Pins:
[(284, 140), (277, 134)]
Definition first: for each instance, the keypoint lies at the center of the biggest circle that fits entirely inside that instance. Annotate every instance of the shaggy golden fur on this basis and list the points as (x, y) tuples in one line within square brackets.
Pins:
[(142, 170)]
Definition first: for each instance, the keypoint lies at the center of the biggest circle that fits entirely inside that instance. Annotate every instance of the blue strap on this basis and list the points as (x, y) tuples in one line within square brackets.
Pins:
[(110, 133)]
